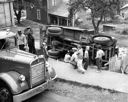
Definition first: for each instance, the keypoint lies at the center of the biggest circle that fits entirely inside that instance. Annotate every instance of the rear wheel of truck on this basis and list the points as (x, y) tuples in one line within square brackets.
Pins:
[(53, 53), (5, 94), (103, 40), (54, 31)]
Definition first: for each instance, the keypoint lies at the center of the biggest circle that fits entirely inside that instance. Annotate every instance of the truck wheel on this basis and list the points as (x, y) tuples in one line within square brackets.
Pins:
[(103, 40), (5, 94), (53, 52), (54, 30)]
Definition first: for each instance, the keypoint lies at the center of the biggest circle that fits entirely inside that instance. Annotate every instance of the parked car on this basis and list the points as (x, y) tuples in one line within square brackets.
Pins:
[(22, 74)]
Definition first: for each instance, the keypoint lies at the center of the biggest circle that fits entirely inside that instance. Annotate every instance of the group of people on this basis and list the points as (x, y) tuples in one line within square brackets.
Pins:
[(26, 41), (80, 58)]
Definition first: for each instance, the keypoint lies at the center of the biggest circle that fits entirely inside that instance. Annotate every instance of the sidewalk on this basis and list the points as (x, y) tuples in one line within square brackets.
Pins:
[(104, 79)]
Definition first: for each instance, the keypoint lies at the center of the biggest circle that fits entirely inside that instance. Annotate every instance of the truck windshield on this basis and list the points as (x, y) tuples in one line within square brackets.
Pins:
[(7, 43)]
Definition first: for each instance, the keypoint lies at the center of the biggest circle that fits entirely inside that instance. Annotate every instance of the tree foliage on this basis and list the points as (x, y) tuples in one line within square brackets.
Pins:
[(99, 9)]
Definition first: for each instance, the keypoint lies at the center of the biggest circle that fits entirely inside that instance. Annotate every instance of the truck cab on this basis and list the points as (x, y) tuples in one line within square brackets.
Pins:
[(22, 74)]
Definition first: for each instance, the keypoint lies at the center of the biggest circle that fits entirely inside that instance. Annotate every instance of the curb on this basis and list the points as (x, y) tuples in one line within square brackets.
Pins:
[(85, 85)]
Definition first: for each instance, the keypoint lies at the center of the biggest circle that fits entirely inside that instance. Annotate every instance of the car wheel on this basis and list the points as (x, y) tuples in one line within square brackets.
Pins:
[(103, 40), (5, 94)]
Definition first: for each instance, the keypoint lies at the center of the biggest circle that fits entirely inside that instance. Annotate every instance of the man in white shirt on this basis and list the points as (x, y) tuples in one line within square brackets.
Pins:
[(73, 60), (99, 54), (86, 57), (77, 58), (80, 51), (21, 40)]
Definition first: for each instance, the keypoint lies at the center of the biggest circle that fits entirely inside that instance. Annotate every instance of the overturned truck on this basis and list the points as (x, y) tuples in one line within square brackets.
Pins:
[(62, 39)]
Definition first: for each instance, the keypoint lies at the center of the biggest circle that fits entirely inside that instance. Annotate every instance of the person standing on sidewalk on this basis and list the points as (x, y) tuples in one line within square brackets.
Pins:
[(80, 59), (99, 54), (73, 60), (80, 51), (45, 52), (21, 40), (31, 43), (86, 58)]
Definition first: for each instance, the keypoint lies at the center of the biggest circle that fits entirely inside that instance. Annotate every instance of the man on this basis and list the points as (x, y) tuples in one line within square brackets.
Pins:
[(73, 60), (86, 58), (31, 43), (99, 54), (80, 51), (80, 59), (21, 40), (45, 52)]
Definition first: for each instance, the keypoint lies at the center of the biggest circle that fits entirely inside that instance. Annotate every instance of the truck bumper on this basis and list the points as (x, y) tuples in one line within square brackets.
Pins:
[(34, 91)]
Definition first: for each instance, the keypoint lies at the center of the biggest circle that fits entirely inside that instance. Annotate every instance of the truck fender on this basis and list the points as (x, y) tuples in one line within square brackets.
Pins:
[(12, 80)]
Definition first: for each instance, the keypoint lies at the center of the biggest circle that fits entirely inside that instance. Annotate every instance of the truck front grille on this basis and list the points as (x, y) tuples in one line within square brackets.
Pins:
[(37, 74)]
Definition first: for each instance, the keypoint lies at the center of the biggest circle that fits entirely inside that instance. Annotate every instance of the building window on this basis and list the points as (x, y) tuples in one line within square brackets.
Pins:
[(38, 14), (53, 2)]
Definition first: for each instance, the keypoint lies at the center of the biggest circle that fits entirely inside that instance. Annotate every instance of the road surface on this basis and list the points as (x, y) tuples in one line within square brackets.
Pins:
[(48, 96)]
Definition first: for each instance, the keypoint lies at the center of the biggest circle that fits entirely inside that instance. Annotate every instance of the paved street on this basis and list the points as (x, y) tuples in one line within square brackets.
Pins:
[(50, 97)]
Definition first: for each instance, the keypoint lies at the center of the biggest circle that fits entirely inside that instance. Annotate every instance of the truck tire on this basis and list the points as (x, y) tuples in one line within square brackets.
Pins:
[(103, 40), (53, 52), (5, 94), (54, 30), (55, 42)]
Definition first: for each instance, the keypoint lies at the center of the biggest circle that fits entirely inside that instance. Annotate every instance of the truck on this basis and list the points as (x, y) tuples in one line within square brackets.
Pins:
[(62, 39), (22, 74)]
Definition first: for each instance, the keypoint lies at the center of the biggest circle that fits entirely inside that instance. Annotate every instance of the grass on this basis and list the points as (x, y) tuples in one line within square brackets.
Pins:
[(85, 85)]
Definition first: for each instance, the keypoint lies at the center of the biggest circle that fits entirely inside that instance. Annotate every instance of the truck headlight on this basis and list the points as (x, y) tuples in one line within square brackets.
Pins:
[(22, 78)]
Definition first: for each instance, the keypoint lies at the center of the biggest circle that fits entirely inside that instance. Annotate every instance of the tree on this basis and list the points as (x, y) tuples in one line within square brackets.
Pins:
[(18, 6), (99, 8)]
